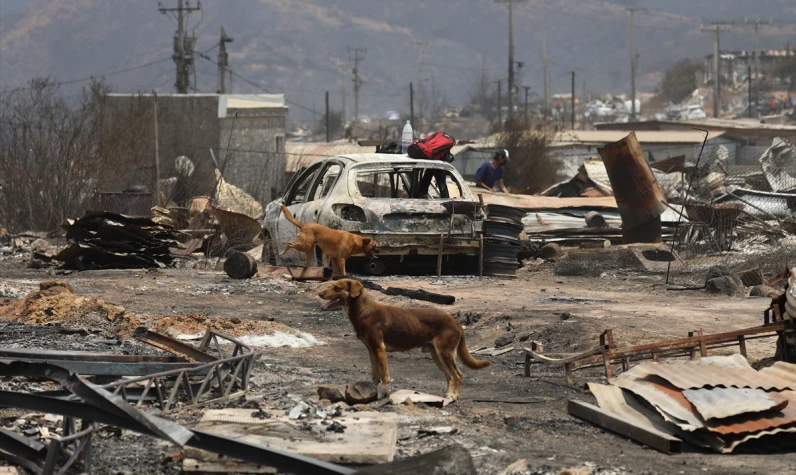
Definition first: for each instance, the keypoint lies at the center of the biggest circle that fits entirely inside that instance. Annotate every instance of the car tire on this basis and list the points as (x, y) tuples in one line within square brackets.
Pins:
[(269, 255)]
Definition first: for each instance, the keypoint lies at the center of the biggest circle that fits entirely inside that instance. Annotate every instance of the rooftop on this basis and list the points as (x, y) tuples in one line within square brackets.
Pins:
[(643, 136)]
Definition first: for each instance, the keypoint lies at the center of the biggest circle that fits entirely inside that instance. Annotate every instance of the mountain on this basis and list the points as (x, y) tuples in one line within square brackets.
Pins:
[(300, 47)]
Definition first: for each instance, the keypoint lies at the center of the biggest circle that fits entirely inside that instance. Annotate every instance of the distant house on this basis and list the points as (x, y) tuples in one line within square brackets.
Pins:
[(243, 135), (734, 65)]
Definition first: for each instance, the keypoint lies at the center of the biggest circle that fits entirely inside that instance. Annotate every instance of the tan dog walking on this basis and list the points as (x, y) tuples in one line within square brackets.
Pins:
[(338, 245), (384, 328)]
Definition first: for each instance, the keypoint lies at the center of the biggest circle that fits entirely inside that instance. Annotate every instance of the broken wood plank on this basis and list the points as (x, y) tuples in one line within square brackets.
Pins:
[(648, 436), (369, 437)]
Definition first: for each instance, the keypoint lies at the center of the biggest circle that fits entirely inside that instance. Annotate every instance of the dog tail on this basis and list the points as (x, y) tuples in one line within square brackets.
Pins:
[(290, 217), (467, 359)]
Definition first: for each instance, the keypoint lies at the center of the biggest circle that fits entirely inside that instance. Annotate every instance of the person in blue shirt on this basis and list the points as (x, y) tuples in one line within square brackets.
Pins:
[(491, 172)]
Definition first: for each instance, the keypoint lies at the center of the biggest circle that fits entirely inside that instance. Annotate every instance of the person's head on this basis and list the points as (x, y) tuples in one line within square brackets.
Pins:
[(501, 157)]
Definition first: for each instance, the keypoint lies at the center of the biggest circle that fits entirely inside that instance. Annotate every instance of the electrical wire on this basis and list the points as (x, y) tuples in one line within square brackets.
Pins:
[(262, 88), (119, 71)]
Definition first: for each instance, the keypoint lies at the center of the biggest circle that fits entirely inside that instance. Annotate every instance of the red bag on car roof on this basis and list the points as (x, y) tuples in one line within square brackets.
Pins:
[(436, 146)]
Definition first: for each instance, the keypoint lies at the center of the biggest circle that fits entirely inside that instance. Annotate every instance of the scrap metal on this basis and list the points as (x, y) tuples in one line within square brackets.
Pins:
[(105, 364), (711, 372), (607, 353), (197, 383)]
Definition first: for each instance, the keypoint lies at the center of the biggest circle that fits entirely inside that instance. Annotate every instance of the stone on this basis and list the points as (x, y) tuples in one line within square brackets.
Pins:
[(763, 291), (40, 246), (725, 285), (334, 393), (504, 340), (565, 315), (722, 271), (525, 336), (550, 251), (361, 392)]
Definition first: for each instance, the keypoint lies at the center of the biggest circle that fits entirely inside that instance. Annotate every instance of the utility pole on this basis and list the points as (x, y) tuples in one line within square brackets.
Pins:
[(527, 88), (573, 100), (182, 58), (357, 82), (749, 75), (342, 98), (510, 89), (328, 131), (546, 74), (223, 60), (499, 111), (420, 109), (757, 23), (633, 58), (716, 29), (412, 106), (156, 201)]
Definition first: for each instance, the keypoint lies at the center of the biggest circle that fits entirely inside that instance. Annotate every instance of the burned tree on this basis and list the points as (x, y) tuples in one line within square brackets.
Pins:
[(54, 155), (532, 167)]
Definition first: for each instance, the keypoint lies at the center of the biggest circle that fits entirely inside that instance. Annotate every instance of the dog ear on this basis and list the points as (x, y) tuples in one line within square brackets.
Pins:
[(355, 288), (366, 241)]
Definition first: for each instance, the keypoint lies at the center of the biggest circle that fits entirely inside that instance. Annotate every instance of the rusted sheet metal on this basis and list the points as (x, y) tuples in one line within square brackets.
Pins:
[(665, 398), (718, 371), (638, 195), (622, 413), (720, 403), (757, 422)]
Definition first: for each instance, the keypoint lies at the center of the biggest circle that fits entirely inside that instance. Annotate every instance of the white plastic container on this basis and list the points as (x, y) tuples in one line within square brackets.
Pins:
[(406, 137)]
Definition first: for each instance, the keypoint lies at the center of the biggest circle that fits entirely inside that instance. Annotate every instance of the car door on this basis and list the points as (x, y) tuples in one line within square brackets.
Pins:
[(296, 201), (316, 209)]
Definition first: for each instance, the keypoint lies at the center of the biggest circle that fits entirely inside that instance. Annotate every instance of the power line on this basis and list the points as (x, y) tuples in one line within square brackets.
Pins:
[(111, 73), (258, 86)]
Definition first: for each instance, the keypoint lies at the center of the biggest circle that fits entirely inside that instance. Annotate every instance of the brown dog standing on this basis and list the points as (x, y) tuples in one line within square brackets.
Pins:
[(338, 245), (384, 328)]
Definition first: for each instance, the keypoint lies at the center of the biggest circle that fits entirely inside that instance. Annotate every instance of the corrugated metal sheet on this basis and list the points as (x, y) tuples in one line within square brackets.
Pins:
[(720, 403), (644, 136), (613, 399), (752, 423), (534, 202), (782, 370), (623, 403), (719, 371), (667, 399)]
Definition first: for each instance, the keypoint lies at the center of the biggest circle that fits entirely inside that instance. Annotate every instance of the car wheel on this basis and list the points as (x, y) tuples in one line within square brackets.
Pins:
[(269, 255)]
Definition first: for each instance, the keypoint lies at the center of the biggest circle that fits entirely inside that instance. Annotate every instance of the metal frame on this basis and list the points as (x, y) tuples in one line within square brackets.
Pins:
[(224, 374), (607, 353)]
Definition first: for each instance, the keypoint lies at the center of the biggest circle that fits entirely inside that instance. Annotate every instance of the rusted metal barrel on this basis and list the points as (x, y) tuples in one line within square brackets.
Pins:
[(638, 194)]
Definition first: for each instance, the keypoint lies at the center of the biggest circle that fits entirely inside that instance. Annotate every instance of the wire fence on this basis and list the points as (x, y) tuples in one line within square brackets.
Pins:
[(739, 210)]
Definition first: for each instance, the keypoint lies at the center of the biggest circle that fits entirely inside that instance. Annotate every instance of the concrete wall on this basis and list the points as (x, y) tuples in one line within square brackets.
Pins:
[(253, 161)]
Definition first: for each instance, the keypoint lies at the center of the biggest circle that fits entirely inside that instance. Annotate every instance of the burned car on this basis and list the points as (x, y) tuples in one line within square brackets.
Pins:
[(408, 207)]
